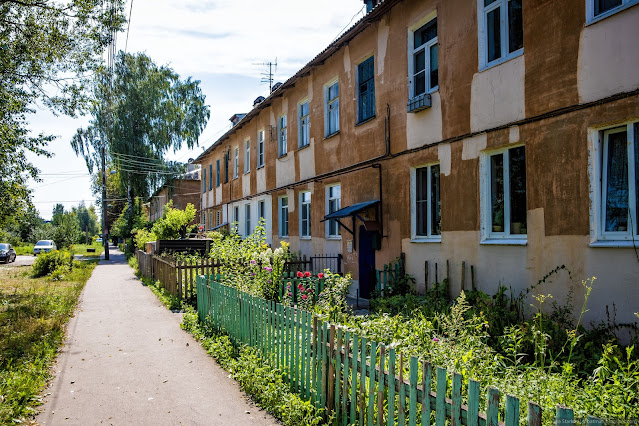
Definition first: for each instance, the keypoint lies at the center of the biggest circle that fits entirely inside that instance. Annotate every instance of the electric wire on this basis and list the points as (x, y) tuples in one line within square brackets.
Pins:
[(128, 26)]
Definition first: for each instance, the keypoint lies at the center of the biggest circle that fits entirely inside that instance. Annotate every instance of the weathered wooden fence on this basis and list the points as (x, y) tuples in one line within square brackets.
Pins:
[(358, 381), (176, 276)]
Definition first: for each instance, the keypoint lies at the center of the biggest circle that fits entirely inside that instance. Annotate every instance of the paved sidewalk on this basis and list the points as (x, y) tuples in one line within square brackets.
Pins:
[(126, 361)]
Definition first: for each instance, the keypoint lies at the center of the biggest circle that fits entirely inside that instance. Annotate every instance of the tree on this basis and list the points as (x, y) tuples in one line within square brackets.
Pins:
[(48, 53), (67, 231), (152, 111), (87, 219), (174, 222), (56, 215)]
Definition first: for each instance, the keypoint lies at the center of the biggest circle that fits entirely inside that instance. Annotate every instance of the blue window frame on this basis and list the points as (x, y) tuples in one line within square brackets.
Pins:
[(366, 94), (217, 173)]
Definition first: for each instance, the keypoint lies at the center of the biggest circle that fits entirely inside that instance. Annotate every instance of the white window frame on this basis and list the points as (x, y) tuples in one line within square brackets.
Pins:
[(303, 124), (218, 217), (412, 52), (329, 198), (282, 216), (247, 156), (488, 236), (282, 128), (236, 163), (590, 10), (260, 148), (236, 218), (247, 220), (599, 237), (429, 237), (331, 109), (482, 16), (305, 205)]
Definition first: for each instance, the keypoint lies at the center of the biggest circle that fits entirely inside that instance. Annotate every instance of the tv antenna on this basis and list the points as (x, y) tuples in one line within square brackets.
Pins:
[(269, 76)]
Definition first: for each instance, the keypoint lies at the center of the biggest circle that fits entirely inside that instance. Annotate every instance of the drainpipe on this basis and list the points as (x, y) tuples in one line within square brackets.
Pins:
[(381, 199)]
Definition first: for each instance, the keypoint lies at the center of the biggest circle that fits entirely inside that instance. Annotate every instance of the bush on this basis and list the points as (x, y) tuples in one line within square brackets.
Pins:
[(56, 263)]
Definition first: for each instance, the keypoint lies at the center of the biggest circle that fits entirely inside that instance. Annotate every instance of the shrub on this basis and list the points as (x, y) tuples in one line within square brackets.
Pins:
[(56, 263)]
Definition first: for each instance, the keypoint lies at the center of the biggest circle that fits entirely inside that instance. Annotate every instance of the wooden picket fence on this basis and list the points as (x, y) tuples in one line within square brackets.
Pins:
[(386, 276), (176, 276), (357, 381)]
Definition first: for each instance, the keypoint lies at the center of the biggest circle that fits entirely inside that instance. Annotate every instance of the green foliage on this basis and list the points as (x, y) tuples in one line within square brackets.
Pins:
[(56, 263), (32, 320), (42, 45), (142, 237), (130, 221), (249, 264), (174, 222), (153, 112), (265, 384)]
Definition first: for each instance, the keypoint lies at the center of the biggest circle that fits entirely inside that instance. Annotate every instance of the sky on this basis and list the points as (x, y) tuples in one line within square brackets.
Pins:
[(221, 43)]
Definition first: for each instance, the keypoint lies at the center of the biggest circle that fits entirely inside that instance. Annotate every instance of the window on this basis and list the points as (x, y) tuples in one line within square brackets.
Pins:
[(247, 220), (204, 180), (366, 95), (505, 194), (599, 9), (425, 66), (501, 31), (210, 220), (304, 125), (261, 211), (227, 155), (210, 177), (331, 109), (247, 156), (218, 218), (305, 214), (426, 209), (618, 184), (283, 209), (333, 204), (236, 215), (236, 163), (260, 148), (281, 141), (217, 173)]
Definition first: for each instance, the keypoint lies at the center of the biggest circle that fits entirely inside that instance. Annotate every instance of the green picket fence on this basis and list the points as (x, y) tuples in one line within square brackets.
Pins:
[(356, 380), (386, 276)]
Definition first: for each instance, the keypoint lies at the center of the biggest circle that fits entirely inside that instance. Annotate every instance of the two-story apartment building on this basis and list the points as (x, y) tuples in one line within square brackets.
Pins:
[(503, 134)]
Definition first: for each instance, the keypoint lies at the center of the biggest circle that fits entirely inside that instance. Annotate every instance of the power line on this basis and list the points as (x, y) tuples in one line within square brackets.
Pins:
[(126, 44)]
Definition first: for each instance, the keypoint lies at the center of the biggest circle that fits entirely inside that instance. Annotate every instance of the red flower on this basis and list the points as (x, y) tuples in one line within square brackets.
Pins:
[(299, 274), (304, 297), (300, 286), (307, 274), (320, 275)]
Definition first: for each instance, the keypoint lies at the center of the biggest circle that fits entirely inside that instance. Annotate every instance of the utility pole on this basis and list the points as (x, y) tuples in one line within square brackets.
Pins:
[(268, 77), (105, 232)]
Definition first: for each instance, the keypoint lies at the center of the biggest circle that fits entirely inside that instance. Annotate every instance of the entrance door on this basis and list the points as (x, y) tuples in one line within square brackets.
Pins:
[(366, 263)]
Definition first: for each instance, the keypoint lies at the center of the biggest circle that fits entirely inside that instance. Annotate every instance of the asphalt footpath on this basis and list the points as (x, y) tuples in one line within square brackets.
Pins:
[(126, 361)]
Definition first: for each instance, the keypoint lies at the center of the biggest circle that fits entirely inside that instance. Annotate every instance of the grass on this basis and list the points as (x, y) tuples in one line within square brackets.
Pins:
[(23, 250), (33, 316), (82, 249)]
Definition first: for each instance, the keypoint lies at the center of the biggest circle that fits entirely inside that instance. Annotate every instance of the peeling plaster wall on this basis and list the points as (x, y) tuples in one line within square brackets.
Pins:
[(497, 95), (608, 56), (425, 127)]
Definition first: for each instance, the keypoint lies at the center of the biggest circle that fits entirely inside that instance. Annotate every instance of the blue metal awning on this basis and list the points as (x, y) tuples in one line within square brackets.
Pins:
[(218, 226), (350, 210)]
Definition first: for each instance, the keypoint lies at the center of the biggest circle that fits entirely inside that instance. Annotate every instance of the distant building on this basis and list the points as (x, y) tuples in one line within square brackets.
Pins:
[(455, 135), (182, 191)]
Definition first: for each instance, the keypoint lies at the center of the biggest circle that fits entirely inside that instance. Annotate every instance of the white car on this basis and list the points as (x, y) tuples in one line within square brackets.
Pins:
[(44, 246)]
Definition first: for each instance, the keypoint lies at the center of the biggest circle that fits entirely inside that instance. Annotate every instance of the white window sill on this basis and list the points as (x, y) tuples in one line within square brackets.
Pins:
[(420, 240), (282, 237), (614, 11), (615, 243), (334, 237), (504, 241), (500, 61), (305, 238)]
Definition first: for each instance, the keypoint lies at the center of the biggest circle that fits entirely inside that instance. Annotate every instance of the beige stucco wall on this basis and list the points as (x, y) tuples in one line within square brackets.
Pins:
[(497, 95), (609, 56), (425, 127)]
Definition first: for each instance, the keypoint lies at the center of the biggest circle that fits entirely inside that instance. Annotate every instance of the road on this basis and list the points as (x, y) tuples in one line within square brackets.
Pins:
[(20, 261)]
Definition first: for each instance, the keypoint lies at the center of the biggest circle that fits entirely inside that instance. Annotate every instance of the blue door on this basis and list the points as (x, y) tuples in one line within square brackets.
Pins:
[(366, 263)]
